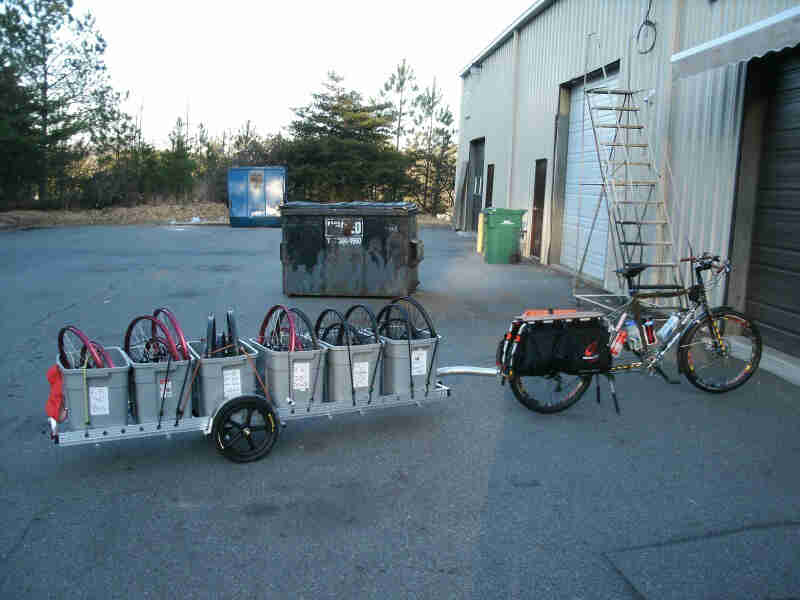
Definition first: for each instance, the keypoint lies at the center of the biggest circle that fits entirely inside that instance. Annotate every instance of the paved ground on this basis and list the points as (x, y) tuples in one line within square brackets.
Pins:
[(685, 495)]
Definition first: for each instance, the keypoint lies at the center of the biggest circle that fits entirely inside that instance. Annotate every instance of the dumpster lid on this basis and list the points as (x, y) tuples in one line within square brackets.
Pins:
[(349, 208)]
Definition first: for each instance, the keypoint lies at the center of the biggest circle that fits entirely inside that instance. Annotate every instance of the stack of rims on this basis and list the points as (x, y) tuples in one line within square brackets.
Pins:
[(411, 347), (354, 353)]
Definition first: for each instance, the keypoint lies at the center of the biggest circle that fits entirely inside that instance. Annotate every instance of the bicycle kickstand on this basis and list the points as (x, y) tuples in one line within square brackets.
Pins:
[(613, 389)]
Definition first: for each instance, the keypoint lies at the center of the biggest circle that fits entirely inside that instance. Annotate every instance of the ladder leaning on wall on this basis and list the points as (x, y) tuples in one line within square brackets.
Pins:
[(644, 250)]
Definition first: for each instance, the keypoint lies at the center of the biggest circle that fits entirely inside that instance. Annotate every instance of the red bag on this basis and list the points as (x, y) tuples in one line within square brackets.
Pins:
[(55, 402)]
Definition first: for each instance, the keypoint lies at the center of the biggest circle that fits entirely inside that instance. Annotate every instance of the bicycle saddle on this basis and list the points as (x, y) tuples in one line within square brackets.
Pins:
[(632, 270)]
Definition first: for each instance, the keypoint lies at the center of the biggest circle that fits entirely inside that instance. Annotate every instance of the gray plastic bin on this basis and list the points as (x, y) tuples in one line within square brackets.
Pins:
[(105, 392), (424, 360), (149, 383), (308, 371), (221, 379), (338, 384)]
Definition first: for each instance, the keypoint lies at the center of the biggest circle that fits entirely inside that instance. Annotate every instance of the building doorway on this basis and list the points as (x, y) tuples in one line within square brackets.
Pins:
[(537, 209)]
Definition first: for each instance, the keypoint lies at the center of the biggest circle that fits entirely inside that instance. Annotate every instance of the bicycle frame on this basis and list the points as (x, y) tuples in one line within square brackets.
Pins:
[(688, 317)]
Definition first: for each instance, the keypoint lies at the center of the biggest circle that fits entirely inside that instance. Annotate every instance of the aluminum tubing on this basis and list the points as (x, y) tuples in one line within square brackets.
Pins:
[(465, 370)]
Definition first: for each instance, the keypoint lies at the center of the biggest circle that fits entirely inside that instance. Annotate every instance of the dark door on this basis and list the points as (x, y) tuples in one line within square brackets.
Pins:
[(489, 184), (475, 192), (773, 283), (537, 210)]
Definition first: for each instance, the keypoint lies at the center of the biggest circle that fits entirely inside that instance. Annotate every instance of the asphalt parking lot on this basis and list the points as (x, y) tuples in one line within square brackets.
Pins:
[(684, 495)]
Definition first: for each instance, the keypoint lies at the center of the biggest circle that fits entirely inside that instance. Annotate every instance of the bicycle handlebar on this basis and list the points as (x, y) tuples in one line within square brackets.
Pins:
[(707, 261)]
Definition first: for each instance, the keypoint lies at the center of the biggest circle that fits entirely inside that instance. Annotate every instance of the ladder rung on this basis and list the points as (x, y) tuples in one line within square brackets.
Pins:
[(620, 145), (627, 162), (607, 91), (658, 265), (623, 182), (639, 202), (642, 222), (658, 286), (646, 243), (619, 126), (620, 108)]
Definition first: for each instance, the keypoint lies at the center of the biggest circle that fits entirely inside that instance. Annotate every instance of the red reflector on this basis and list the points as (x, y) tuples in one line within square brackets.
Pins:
[(591, 349)]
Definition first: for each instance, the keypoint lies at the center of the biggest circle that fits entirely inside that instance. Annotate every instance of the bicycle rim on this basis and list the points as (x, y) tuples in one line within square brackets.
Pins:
[(549, 394), (420, 322), (330, 328), (362, 324), (716, 368), (170, 321), (142, 346), (73, 347)]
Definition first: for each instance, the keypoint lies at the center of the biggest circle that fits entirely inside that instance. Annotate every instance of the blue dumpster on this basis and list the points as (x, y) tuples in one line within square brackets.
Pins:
[(255, 195)]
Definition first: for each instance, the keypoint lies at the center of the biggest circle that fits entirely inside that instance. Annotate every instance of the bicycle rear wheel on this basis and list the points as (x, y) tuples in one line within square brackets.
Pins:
[(549, 394), (717, 368)]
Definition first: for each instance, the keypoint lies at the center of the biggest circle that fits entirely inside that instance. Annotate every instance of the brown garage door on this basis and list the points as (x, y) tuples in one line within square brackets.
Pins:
[(773, 288)]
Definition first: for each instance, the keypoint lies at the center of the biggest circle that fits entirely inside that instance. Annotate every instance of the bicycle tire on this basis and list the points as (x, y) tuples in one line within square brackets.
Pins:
[(233, 332), (331, 329), (362, 324), (304, 336), (728, 329), (164, 338), (85, 344), (418, 318), (533, 398), (394, 327), (227, 431), (211, 336), (265, 328), (105, 357), (174, 325)]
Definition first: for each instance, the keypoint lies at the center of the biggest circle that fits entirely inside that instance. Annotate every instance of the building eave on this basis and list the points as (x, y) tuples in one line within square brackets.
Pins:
[(529, 15)]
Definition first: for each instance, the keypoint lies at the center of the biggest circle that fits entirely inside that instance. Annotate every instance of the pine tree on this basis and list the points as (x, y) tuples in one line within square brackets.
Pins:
[(59, 58)]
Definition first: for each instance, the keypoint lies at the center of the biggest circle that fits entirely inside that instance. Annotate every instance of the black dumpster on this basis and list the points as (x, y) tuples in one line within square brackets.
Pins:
[(350, 249)]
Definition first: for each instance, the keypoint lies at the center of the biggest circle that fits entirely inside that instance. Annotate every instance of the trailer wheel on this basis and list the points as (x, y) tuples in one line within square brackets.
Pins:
[(246, 429)]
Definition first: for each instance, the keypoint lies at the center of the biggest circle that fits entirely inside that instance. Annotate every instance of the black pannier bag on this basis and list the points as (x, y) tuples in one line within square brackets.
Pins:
[(583, 349), (536, 352), (573, 347)]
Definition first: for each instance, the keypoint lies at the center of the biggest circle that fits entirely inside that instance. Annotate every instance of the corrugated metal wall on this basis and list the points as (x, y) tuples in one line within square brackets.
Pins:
[(693, 124), (486, 111), (702, 21)]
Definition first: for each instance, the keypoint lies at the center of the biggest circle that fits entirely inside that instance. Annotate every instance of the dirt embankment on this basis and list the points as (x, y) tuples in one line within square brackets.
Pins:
[(206, 212), (200, 212)]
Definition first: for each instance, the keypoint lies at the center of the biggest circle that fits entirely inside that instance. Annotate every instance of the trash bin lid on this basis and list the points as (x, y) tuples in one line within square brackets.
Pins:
[(350, 208)]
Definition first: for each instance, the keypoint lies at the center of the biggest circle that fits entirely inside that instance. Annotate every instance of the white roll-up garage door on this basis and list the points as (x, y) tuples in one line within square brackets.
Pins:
[(580, 199)]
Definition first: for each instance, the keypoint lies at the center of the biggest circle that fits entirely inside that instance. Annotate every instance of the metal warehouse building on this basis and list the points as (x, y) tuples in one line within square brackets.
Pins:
[(718, 86)]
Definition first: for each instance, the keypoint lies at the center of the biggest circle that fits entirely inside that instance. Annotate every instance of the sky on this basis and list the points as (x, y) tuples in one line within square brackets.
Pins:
[(227, 62)]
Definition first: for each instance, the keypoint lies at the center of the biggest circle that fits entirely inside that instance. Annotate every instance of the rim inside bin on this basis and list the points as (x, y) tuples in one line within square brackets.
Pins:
[(362, 325), (287, 330)]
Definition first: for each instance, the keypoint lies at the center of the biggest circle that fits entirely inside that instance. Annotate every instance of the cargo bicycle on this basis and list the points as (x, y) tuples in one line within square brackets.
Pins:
[(718, 349)]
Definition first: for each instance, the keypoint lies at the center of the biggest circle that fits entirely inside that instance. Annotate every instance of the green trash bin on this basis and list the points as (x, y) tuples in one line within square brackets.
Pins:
[(502, 234)]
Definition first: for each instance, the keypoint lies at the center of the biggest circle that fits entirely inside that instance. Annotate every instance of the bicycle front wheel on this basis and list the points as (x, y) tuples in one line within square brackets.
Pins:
[(550, 394), (720, 367)]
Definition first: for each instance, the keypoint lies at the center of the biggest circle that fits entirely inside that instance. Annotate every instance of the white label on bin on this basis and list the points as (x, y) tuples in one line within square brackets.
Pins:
[(165, 388), (98, 401), (231, 383), (301, 377), (419, 362), (360, 374)]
